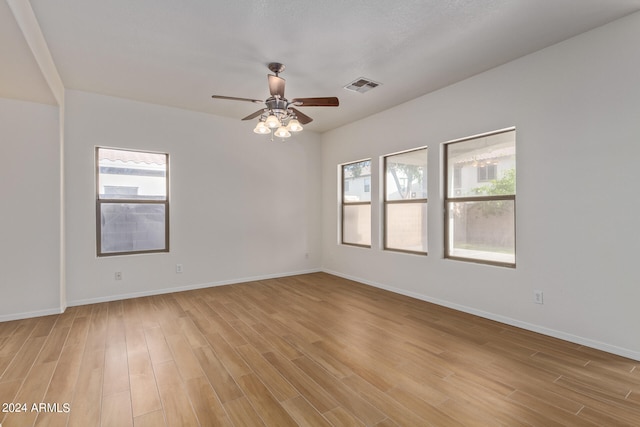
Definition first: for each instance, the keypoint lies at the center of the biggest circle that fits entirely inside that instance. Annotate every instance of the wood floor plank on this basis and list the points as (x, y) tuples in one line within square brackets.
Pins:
[(206, 404), (5, 361), (277, 342), (328, 360), (53, 346), (8, 391), (352, 402), (423, 399), (267, 407), (599, 418), (251, 336), (116, 368), (159, 350), (176, 405), (147, 313), (469, 414), (142, 382), (31, 392), (136, 342), (601, 402), (536, 385), (191, 332), (184, 358), (144, 394), (356, 360), (151, 419), (7, 328), (52, 419), (232, 361), (220, 379), (390, 407), (44, 326), (304, 414), (313, 349), (78, 333), (276, 383), (562, 417), (242, 413), (24, 359), (87, 398), (221, 326), (319, 398), (16, 339), (62, 385), (339, 417), (116, 410)]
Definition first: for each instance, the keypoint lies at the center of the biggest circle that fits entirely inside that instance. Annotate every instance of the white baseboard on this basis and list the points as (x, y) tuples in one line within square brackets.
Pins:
[(186, 288), (58, 310), (587, 342), (29, 314)]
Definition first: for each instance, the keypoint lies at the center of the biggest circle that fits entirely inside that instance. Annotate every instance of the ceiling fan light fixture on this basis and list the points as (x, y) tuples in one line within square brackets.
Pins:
[(272, 122), (294, 125), (261, 128), (282, 132), (278, 117)]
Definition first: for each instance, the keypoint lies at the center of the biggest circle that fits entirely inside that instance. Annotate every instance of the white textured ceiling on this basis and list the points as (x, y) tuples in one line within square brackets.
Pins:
[(179, 53)]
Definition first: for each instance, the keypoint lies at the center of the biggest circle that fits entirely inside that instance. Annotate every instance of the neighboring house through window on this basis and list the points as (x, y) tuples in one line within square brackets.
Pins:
[(132, 201), (356, 203), (480, 198)]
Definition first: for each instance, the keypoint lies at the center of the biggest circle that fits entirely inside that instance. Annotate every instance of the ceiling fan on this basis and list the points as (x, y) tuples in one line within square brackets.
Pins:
[(279, 114)]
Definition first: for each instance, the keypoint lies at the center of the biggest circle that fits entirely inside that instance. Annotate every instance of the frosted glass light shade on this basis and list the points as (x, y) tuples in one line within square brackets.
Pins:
[(282, 132), (294, 125), (272, 122), (261, 128)]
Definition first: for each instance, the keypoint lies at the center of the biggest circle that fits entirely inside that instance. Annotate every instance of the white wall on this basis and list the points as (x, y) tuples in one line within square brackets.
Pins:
[(241, 206), (30, 209), (576, 108)]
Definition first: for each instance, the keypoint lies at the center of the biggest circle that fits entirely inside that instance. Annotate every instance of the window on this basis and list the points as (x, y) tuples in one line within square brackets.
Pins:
[(356, 203), (487, 172), (405, 201), (132, 204), (480, 198)]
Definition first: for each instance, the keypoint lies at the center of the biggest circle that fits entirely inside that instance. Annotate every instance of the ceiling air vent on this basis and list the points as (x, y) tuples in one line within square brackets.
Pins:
[(362, 85)]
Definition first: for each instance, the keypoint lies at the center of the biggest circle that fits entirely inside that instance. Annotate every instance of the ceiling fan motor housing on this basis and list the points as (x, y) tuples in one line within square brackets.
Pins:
[(278, 105), (276, 67)]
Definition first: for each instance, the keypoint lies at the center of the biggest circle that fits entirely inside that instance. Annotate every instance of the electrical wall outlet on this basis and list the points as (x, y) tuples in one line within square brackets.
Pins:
[(178, 268), (538, 297), (118, 275)]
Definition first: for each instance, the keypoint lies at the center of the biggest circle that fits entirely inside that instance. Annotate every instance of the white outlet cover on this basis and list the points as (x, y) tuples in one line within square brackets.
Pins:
[(538, 297)]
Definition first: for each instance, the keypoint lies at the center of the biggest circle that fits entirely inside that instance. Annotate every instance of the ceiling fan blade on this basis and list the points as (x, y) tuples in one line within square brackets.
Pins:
[(254, 115), (302, 118), (233, 98), (329, 101), (276, 85)]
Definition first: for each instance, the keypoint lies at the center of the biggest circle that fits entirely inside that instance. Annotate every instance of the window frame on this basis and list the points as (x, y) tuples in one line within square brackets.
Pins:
[(344, 203), (100, 202), (448, 200), (386, 202)]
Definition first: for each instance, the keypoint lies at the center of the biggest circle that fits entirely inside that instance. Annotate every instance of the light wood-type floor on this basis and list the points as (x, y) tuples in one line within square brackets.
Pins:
[(313, 350)]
